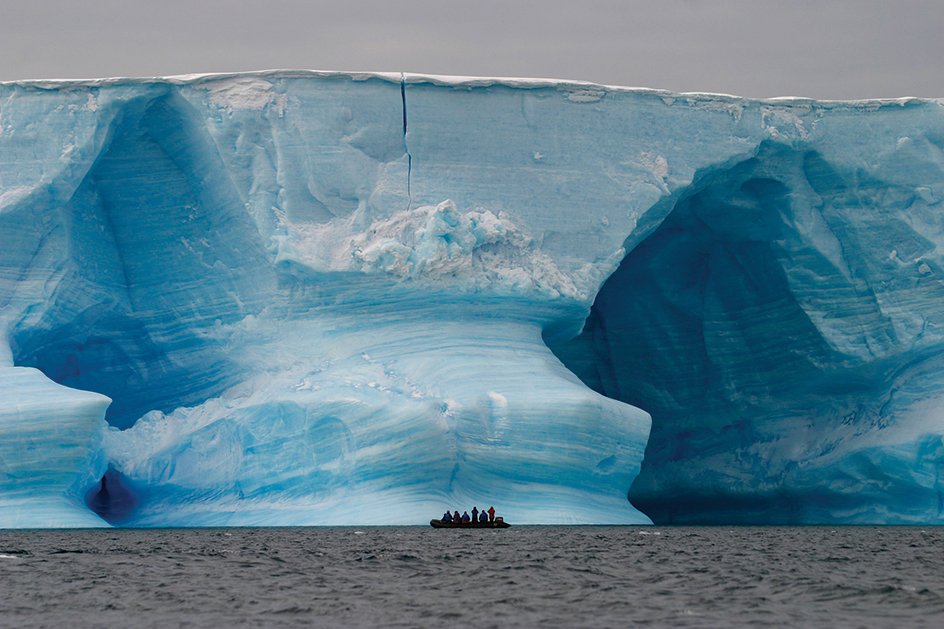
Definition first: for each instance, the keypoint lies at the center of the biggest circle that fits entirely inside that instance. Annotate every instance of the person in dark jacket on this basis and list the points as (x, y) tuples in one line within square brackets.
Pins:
[(456, 517), (447, 517), (483, 517), (465, 517), (475, 514)]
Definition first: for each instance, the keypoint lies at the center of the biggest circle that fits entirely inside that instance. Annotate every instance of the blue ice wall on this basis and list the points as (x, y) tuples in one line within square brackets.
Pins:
[(782, 325), (323, 298)]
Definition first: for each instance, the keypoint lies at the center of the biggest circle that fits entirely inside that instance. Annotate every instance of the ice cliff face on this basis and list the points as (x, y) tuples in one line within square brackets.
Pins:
[(783, 326), (320, 298)]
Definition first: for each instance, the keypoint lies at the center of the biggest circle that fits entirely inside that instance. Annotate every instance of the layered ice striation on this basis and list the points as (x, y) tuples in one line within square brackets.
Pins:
[(784, 327), (324, 298)]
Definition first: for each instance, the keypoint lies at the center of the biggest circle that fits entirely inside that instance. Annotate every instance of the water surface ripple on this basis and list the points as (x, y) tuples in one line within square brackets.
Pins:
[(547, 576)]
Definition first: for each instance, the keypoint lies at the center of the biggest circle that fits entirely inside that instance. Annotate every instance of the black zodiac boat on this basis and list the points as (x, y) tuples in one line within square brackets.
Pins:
[(497, 524)]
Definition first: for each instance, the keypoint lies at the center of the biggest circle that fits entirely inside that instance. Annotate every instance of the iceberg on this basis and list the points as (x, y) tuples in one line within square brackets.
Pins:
[(303, 298)]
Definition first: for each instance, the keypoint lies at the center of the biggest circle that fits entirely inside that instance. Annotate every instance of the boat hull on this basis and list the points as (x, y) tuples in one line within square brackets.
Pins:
[(439, 524)]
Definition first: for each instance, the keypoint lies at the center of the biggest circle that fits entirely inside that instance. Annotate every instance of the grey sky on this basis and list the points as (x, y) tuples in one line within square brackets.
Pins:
[(758, 48)]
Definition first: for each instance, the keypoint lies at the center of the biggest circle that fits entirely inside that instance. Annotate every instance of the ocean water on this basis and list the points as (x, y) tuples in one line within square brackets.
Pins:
[(525, 576)]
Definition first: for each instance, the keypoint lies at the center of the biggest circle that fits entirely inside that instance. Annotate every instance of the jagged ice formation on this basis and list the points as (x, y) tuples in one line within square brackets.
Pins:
[(325, 298)]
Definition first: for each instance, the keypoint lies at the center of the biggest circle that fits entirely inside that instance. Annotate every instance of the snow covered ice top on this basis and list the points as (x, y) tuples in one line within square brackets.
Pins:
[(327, 297)]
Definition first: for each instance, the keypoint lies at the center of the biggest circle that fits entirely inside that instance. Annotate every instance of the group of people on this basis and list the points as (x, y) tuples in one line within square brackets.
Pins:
[(484, 516)]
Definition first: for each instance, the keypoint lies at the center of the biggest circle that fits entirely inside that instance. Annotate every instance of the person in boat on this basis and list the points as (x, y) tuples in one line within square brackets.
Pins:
[(465, 517), (456, 517), (483, 517), (475, 514), (447, 517), (491, 514)]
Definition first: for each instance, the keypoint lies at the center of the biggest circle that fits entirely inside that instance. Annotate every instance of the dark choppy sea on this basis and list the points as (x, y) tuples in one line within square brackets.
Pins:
[(525, 576)]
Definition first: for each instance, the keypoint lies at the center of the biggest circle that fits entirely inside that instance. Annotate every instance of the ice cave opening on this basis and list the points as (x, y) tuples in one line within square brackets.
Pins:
[(112, 499)]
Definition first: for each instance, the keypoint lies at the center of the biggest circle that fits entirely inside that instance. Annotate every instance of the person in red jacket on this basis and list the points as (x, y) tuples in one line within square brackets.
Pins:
[(491, 514)]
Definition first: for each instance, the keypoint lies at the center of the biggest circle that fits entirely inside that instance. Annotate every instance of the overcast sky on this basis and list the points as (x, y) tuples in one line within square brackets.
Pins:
[(757, 48)]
